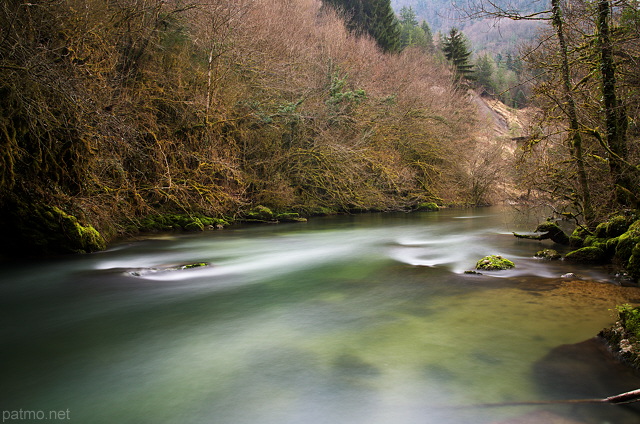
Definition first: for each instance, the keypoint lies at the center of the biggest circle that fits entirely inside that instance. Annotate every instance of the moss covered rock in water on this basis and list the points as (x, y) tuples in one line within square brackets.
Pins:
[(624, 336), (260, 213), (590, 254), (290, 217), (428, 207), (493, 263), (43, 229), (548, 254), (77, 238), (633, 265), (180, 222)]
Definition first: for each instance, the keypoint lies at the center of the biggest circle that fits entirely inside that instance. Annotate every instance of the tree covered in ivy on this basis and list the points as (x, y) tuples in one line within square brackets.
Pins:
[(371, 17)]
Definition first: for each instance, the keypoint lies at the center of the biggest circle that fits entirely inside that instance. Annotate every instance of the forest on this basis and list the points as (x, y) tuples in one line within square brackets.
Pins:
[(114, 112), (126, 116)]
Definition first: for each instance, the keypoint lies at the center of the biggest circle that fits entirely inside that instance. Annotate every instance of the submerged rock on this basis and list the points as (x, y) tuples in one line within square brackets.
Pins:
[(494, 262), (548, 254), (141, 272)]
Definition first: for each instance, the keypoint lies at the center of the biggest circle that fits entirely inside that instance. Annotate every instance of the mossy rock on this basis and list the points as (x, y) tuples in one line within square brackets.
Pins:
[(626, 243), (427, 207), (210, 222), (38, 229), (601, 230), (548, 254), (194, 265), (623, 337), (260, 213), (576, 239), (290, 217), (614, 227), (78, 238), (633, 266), (590, 254), (322, 211), (594, 241), (179, 222), (494, 263)]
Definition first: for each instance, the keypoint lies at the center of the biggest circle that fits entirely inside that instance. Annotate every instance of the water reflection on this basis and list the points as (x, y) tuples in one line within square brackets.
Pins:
[(361, 319)]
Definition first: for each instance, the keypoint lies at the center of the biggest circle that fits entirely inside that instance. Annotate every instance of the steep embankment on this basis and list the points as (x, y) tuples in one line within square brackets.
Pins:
[(491, 165), (113, 113)]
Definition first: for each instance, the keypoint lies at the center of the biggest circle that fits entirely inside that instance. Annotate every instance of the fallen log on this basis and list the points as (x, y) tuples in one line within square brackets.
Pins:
[(621, 399), (547, 230), (627, 397)]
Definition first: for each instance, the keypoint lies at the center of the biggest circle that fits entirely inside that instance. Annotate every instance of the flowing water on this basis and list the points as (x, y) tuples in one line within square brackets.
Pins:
[(352, 319)]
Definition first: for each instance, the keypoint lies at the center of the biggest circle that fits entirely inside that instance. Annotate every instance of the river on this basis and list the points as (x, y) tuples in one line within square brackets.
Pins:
[(350, 319)]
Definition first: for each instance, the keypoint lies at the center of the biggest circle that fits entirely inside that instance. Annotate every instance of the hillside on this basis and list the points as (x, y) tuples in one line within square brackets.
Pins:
[(502, 36), (113, 117)]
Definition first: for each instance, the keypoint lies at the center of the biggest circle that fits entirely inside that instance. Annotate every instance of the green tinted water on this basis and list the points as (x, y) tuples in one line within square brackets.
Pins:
[(360, 319)]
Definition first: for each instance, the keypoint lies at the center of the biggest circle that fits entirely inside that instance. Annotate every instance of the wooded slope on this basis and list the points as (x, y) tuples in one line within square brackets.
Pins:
[(113, 111)]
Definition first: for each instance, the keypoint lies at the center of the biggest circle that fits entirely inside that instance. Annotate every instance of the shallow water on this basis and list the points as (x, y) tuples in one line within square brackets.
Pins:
[(353, 319)]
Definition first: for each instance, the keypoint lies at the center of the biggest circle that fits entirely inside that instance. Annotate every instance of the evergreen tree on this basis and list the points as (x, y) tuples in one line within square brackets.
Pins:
[(371, 17), (484, 73), (408, 26), (408, 17), (457, 51), (428, 36), (386, 28)]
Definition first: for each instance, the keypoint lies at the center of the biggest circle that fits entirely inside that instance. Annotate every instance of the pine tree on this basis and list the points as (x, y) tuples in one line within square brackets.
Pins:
[(408, 25), (456, 50), (484, 73), (371, 17), (428, 36)]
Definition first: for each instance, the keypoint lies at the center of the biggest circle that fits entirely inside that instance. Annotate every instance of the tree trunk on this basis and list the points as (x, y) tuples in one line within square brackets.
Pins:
[(615, 116), (571, 111)]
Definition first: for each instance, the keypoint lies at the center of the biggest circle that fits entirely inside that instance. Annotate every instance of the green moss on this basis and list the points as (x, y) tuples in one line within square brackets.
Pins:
[(589, 254), (213, 222), (548, 254), (428, 207), (594, 241), (601, 230), (623, 337), (260, 213), (554, 232), (630, 319), (290, 217), (493, 263), (196, 265), (322, 211), (576, 240), (77, 238), (617, 226), (626, 243), (42, 229), (179, 222), (633, 266)]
